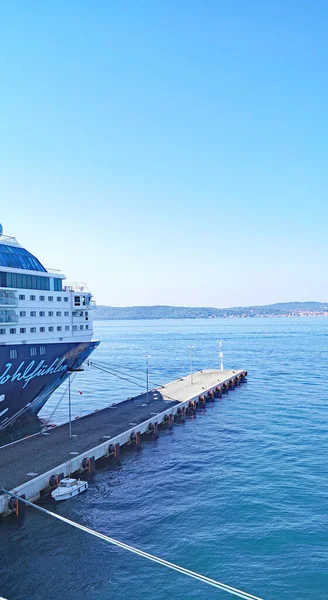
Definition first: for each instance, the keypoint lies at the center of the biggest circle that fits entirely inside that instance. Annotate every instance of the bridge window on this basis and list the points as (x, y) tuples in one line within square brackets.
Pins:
[(58, 286), (25, 282)]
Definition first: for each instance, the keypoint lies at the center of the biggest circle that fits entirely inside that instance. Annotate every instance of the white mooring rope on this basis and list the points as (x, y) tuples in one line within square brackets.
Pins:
[(151, 557)]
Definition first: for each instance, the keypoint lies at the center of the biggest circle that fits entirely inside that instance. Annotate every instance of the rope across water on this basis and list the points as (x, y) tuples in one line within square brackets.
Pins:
[(202, 578)]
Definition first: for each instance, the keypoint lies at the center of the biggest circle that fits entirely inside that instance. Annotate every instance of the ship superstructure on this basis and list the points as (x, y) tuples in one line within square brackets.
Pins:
[(45, 331)]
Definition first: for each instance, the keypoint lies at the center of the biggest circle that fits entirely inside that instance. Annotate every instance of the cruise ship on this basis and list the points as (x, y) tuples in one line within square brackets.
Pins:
[(45, 331)]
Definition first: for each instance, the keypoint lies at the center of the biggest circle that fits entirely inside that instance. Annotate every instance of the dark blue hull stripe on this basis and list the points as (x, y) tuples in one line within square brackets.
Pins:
[(27, 382)]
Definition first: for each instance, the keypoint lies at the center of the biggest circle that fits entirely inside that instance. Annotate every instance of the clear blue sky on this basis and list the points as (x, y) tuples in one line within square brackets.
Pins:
[(169, 152)]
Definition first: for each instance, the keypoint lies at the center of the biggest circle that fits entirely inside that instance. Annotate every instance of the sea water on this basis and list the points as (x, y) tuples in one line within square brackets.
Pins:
[(238, 493)]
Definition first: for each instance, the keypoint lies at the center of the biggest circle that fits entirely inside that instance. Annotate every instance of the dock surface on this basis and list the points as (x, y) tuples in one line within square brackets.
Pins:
[(26, 465), (41, 453), (182, 389)]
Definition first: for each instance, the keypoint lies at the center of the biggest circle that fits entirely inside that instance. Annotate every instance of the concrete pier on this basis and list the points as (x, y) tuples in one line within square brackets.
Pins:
[(34, 465)]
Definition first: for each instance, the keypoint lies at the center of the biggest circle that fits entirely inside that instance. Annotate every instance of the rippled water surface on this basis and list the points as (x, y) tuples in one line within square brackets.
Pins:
[(238, 493)]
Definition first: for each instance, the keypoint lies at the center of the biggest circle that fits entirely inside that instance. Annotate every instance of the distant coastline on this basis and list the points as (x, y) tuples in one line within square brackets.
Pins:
[(282, 309)]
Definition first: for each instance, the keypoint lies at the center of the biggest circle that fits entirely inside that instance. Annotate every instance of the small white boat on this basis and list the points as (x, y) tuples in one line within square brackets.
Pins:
[(68, 488)]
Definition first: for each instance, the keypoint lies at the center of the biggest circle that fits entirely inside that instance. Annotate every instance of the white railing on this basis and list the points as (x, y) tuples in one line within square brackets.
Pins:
[(8, 302), (78, 287), (8, 238), (8, 318)]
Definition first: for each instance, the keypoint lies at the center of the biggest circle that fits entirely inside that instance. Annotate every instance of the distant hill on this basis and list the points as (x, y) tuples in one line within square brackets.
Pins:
[(184, 312)]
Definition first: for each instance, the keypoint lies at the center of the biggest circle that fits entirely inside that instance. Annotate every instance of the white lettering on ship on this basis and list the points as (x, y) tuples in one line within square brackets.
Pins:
[(31, 371), (2, 399)]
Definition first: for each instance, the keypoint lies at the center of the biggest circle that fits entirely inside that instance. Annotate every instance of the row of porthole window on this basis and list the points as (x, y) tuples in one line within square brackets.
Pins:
[(13, 330), (42, 298), (43, 314), (33, 351)]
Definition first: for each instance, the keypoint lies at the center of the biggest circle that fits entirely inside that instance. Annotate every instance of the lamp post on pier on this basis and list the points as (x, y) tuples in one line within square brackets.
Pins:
[(69, 408), (147, 357), (220, 355)]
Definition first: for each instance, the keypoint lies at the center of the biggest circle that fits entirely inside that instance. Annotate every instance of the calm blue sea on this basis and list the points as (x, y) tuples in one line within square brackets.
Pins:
[(238, 493)]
